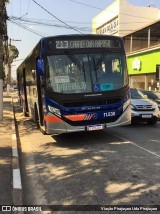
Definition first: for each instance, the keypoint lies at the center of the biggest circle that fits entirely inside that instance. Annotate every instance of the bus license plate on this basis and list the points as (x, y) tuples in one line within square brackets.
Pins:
[(95, 127)]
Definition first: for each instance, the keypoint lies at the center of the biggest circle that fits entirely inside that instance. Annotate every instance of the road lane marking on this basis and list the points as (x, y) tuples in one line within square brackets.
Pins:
[(14, 152), (134, 144), (17, 179), (14, 136), (17, 183), (147, 150)]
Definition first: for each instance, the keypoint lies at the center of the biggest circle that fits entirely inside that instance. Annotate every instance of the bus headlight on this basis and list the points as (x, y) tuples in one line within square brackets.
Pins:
[(126, 104), (54, 110)]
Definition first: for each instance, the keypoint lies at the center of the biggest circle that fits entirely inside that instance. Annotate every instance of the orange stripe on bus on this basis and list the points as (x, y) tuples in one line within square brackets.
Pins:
[(76, 117), (49, 118)]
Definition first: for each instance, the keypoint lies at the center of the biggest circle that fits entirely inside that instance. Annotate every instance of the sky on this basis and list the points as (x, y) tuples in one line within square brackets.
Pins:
[(30, 20)]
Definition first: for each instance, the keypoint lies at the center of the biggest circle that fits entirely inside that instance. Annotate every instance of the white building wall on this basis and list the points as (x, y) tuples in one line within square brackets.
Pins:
[(130, 18), (105, 17)]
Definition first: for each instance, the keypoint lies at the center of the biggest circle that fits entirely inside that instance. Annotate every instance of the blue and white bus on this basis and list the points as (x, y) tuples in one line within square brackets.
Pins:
[(74, 83)]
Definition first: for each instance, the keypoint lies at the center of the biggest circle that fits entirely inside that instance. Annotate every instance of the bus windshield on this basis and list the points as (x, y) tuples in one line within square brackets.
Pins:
[(81, 73)]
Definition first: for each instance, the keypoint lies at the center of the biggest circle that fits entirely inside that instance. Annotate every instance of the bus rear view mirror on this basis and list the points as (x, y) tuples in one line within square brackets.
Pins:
[(40, 67)]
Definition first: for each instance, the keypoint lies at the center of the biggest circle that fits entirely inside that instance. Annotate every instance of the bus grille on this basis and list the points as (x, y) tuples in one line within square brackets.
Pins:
[(79, 103)]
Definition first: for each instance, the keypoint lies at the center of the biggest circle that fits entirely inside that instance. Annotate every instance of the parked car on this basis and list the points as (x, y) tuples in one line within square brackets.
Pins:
[(142, 108), (158, 94), (152, 96)]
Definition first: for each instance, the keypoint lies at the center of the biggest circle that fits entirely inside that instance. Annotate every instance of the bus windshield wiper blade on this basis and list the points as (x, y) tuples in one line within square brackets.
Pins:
[(76, 62), (100, 60), (84, 72), (95, 70)]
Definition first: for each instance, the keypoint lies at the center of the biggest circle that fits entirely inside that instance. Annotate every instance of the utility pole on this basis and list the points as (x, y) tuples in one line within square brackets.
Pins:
[(3, 37), (9, 67), (1, 59), (1, 78)]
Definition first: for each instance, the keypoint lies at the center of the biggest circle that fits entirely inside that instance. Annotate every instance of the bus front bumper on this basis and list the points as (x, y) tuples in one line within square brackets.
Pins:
[(63, 127)]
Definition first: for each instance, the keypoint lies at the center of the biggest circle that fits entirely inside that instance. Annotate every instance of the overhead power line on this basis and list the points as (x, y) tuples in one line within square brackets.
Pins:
[(57, 17), (86, 5), (49, 23), (45, 23), (111, 11), (53, 23), (47, 20), (26, 28)]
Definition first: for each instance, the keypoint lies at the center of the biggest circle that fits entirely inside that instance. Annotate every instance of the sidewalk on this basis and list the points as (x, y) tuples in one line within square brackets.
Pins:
[(6, 152), (10, 179)]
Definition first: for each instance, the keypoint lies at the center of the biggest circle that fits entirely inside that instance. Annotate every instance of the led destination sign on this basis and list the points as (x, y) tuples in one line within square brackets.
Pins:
[(81, 44)]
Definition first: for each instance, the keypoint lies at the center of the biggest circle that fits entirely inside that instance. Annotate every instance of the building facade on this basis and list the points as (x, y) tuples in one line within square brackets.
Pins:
[(140, 29)]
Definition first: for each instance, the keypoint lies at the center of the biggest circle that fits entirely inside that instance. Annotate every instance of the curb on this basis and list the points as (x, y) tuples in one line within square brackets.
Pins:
[(17, 184)]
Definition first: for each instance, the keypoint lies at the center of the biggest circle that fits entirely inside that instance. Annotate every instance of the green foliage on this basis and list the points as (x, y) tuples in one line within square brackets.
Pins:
[(13, 52)]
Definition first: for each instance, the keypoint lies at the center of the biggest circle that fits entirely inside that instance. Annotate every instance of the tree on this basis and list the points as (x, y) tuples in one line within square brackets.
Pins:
[(2, 33), (13, 53)]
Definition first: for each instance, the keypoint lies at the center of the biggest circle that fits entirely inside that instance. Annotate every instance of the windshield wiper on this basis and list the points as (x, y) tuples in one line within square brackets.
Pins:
[(100, 60), (96, 66), (77, 63), (95, 70)]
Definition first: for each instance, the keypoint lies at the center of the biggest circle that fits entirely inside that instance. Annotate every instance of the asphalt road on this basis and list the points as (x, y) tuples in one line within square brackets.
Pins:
[(118, 166)]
